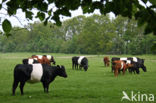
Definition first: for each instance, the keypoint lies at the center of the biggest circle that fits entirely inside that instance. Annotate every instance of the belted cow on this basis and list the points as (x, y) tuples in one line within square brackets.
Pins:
[(119, 65), (81, 61), (33, 73), (44, 59)]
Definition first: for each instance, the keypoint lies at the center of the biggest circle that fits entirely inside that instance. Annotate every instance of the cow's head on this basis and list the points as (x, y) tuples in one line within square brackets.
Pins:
[(61, 71), (85, 67), (141, 63)]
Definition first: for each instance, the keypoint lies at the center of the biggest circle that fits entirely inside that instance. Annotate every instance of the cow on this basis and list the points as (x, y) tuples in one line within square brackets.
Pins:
[(81, 62), (44, 59), (30, 61), (106, 61), (137, 63), (33, 73), (119, 65)]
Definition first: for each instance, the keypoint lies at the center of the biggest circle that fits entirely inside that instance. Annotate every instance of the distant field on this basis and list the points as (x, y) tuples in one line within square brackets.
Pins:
[(97, 85)]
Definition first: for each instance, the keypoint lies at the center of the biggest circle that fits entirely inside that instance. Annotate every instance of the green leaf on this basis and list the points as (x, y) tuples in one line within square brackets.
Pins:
[(153, 1), (8, 34), (4, 0), (6, 25), (29, 14), (41, 16)]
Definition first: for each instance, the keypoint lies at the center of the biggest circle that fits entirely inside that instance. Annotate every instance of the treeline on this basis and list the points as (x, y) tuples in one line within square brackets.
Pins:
[(86, 35)]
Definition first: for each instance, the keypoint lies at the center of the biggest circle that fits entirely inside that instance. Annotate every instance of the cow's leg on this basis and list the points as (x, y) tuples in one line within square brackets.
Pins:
[(15, 84), (108, 64), (72, 65), (22, 83), (80, 67), (137, 70), (124, 71), (76, 66), (130, 70), (116, 72), (112, 68), (45, 86)]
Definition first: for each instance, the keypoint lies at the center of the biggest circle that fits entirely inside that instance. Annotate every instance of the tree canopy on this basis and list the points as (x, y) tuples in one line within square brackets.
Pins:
[(85, 35), (144, 14)]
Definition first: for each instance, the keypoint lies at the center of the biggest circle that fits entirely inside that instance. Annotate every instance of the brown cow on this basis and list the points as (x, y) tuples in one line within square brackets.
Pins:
[(119, 65), (106, 61), (42, 59)]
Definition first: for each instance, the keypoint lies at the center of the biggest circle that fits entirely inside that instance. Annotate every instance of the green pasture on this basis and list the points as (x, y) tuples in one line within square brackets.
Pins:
[(97, 85)]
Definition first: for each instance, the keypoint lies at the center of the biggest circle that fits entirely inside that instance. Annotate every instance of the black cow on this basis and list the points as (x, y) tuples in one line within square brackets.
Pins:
[(81, 61), (33, 73), (137, 63), (29, 61)]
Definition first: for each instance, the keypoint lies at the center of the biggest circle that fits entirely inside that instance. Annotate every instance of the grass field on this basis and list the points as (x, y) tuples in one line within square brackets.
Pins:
[(97, 85)]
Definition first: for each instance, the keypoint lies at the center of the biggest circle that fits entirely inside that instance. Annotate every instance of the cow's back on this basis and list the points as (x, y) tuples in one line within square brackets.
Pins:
[(80, 59)]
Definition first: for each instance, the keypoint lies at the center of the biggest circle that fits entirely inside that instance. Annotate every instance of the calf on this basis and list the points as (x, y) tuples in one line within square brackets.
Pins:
[(120, 65), (106, 61), (33, 73), (81, 61)]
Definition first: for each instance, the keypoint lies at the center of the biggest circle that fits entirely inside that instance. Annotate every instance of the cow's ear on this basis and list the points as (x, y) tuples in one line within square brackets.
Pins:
[(58, 66), (62, 66)]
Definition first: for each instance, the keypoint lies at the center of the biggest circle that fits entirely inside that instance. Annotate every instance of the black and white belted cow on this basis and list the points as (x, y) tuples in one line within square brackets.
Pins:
[(82, 61), (33, 73), (137, 63)]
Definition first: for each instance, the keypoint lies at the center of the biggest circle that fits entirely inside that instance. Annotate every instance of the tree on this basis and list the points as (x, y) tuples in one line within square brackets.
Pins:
[(145, 15)]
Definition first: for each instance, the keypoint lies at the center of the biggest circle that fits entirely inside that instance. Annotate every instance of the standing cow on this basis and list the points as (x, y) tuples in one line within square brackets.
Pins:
[(80, 61), (106, 61), (33, 73), (120, 65)]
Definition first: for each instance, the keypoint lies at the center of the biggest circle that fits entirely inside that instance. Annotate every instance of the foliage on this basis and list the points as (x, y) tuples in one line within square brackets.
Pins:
[(91, 35), (128, 8)]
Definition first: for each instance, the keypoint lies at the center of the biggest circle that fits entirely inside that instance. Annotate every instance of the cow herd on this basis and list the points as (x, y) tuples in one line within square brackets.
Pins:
[(38, 68), (132, 64)]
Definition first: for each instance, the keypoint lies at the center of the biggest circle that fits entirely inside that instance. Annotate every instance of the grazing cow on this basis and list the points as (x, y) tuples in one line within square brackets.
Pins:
[(45, 59), (106, 61), (81, 61), (33, 73), (137, 63), (30, 61), (119, 65)]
